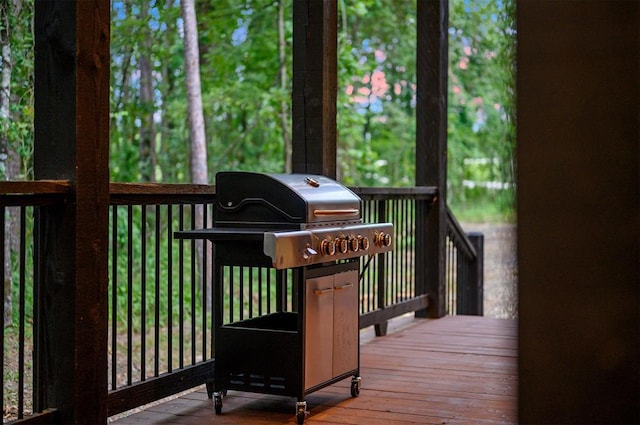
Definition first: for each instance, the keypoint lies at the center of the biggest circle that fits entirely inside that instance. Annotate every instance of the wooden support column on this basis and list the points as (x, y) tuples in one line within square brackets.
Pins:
[(431, 150), (578, 203), (72, 143), (315, 44)]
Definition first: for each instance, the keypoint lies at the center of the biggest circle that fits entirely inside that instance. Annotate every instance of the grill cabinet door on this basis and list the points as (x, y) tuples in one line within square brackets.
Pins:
[(345, 322), (331, 327), (318, 331)]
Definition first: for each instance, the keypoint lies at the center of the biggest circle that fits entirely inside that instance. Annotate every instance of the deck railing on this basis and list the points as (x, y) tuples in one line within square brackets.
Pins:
[(20, 203), (464, 291), (160, 322)]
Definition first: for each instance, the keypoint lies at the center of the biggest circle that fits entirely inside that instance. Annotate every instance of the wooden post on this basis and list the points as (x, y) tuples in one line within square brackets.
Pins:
[(470, 278), (315, 44), (578, 203), (431, 150), (72, 143)]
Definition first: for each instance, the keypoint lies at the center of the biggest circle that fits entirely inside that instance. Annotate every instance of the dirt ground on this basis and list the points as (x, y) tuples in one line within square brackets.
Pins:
[(500, 268)]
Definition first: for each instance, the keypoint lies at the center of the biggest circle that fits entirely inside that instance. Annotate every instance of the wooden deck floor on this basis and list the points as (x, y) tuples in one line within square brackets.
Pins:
[(454, 370)]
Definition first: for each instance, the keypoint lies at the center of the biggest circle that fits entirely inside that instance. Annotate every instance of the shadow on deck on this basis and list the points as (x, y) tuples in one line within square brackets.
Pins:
[(453, 370)]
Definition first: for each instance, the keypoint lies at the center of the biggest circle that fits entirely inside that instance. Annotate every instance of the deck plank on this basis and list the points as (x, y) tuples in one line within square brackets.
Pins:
[(453, 370)]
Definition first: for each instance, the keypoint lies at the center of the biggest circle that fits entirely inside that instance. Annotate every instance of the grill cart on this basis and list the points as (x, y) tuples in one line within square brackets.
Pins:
[(309, 229)]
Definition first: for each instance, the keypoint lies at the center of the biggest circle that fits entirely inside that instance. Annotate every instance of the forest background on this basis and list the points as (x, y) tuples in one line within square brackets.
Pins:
[(245, 70)]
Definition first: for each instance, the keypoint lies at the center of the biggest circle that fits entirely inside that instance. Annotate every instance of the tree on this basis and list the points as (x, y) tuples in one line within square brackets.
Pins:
[(5, 99), (245, 58), (148, 155), (481, 102), (16, 117), (284, 86), (195, 116), (197, 137)]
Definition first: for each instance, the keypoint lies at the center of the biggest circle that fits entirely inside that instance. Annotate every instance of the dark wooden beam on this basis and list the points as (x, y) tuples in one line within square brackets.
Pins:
[(431, 149), (72, 143), (578, 202), (315, 29)]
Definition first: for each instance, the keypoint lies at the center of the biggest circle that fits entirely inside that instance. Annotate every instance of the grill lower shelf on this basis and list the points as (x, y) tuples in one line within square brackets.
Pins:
[(284, 321), (259, 355)]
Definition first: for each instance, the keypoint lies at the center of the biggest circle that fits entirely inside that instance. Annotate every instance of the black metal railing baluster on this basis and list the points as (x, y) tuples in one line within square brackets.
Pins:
[(193, 287), (239, 299), (251, 292), (231, 292), (129, 294), (143, 292), (205, 282), (269, 291), (114, 296), (3, 211), (260, 289), (156, 319), (399, 242), (169, 288), (394, 254), (181, 261), (21, 313)]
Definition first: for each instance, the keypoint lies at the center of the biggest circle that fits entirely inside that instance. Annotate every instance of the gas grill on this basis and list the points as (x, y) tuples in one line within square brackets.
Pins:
[(311, 227)]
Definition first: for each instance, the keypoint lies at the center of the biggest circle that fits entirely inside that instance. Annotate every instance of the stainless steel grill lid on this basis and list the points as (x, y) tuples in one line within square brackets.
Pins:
[(289, 220), (248, 199)]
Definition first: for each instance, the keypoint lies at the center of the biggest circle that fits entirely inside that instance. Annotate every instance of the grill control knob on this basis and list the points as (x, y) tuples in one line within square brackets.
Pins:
[(328, 247), (382, 239), (354, 245), (308, 252), (342, 245), (364, 242)]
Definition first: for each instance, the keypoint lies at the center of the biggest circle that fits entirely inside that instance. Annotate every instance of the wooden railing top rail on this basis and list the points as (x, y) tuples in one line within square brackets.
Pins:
[(415, 192), (459, 236), (159, 193), (33, 193), (124, 193), (16, 193), (35, 187), (160, 189)]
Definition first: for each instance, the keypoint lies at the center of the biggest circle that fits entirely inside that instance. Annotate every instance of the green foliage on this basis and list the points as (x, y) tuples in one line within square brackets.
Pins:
[(17, 129), (242, 96), (481, 105), (376, 97), (376, 101), (239, 74)]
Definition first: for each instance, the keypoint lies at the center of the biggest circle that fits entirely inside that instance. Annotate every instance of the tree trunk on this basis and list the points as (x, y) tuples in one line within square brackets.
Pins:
[(284, 109), (5, 97), (10, 160), (148, 160), (198, 158)]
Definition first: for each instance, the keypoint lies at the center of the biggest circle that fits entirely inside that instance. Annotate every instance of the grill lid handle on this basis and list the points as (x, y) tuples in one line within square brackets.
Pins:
[(349, 211)]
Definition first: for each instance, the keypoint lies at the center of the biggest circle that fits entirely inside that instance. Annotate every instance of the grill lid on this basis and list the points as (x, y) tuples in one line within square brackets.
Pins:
[(246, 199)]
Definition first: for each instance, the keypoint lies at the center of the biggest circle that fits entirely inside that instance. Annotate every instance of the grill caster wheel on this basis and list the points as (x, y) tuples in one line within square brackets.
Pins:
[(217, 402), (355, 386), (301, 411)]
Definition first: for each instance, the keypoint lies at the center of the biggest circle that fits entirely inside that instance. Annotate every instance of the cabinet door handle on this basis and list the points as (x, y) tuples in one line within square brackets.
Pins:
[(322, 291), (344, 286)]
